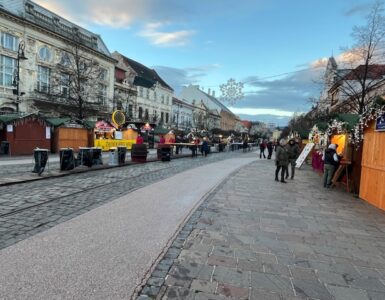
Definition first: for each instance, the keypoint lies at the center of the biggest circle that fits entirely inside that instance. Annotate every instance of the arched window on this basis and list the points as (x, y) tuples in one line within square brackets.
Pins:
[(45, 53)]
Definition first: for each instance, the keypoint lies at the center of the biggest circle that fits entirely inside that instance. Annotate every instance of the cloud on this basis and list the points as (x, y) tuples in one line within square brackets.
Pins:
[(165, 39), (177, 77), (261, 111), (282, 96), (361, 9)]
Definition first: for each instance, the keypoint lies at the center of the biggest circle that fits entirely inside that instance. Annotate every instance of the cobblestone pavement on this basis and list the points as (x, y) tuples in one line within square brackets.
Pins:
[(254, 238), (32, 207)]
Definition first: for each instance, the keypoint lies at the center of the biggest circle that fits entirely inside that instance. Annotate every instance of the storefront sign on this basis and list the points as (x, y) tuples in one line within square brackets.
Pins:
[(380, 123), (305, 152), (48, 133), (9, 128), (107, 144)]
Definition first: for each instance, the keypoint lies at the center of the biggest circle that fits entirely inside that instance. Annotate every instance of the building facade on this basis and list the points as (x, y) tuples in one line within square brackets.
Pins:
[(195, 96), (182, 115), (42, 54), (152, 98)]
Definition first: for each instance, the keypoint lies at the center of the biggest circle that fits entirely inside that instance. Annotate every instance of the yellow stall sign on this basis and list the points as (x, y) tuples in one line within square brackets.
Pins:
[(107, 144)]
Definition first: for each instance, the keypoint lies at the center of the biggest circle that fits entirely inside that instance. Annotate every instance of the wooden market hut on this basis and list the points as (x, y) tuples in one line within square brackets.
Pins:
[(372, 186), (346, 149), (68, 133), (24, 133)]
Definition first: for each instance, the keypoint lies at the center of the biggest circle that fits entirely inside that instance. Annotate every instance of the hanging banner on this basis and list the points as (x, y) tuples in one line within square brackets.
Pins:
[(380, 123)]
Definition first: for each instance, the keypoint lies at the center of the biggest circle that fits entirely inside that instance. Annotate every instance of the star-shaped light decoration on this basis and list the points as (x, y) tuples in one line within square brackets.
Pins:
[(231, 91)]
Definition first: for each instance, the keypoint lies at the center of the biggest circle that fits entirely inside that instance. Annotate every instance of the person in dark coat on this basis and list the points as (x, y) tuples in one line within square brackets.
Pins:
[(262, 147), (331, 160), (270, 147), (281, 160), (205, 147), (293, 152)]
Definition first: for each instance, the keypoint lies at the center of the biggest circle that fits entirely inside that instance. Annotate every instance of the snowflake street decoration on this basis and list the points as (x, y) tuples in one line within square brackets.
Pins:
[(231, 91)]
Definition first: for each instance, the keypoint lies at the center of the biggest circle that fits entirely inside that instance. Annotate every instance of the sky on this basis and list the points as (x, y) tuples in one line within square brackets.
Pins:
[(277, 48)]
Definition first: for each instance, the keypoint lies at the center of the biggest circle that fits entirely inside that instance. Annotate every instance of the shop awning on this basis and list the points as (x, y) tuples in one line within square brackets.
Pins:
[(104, 126)]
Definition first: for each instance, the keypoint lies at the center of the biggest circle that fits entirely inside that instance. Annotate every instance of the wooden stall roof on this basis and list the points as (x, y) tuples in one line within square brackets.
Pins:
[(57, 122), (9, 118), (161, 130)]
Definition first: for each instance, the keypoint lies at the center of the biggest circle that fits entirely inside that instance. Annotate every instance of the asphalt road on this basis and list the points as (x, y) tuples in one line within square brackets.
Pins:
[(105, 253)]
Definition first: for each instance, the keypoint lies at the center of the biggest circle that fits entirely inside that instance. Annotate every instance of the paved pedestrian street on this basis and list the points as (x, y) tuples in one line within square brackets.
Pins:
[(254, 238)]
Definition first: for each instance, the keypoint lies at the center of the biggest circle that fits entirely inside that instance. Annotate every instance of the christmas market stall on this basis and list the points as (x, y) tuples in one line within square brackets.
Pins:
[(112, 134), (369, 135), (68, 133), (319, 138), (349, 170), (21, 134)]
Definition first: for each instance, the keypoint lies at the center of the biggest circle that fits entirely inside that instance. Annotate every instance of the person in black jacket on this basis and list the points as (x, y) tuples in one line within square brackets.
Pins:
[(331, 160)]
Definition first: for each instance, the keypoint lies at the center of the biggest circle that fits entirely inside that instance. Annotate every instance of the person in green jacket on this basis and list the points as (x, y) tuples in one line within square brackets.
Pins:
[(281, 160)]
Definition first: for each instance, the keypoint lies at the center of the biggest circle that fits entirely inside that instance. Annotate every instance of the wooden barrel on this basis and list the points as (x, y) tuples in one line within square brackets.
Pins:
[(139, 153)]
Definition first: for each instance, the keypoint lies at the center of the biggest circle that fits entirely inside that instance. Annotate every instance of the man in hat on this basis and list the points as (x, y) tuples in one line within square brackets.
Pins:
[(331, 160)]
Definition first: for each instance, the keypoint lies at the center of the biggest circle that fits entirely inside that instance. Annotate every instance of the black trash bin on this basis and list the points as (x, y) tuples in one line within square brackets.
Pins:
[(41, 157), (97, 156), (4, 147), (122, 150), (67, 159), (85, 156), (165, 153)]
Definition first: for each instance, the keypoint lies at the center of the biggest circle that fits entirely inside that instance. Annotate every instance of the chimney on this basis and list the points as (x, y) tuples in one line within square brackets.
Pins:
[(214, 94), (209, 91)]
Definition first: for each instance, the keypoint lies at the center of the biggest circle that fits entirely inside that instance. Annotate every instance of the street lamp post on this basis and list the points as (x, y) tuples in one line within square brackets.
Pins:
[(16, 79)]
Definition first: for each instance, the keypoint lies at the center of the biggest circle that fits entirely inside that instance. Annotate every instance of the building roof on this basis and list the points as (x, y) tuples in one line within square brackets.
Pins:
[(145, 76), (373, 72), (42, 17)]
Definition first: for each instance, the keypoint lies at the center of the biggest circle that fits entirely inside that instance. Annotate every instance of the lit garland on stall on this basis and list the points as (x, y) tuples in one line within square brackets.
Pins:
[(336, 127), (372, 113)]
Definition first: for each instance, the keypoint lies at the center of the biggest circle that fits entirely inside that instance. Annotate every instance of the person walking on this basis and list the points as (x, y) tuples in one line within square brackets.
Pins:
[(281, 160), (270, 147), (293, 152), (331, 160), (262, 147), (205, 147)]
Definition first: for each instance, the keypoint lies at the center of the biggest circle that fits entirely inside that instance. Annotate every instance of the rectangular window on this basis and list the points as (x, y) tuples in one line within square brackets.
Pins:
[(162, 99), (140, 91), (9, 41), (7, 70), (102, 93), (148, 94), (43, 79), (130, 110), (64, 84), (166, 118), (103, 74), (162, 117)]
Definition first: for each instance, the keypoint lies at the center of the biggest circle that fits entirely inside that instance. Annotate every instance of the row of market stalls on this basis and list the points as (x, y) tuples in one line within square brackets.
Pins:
[(20, 135), (361, 143)]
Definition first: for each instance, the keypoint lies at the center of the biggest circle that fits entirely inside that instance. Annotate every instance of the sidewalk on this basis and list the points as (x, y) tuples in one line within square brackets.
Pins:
[(18, 169), (254, 238)]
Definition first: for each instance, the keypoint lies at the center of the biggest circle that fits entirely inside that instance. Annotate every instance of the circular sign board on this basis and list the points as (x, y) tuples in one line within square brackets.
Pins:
[(118, 117)]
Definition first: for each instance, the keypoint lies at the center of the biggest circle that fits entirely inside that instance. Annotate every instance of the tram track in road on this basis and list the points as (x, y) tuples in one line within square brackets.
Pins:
[(83, 190)]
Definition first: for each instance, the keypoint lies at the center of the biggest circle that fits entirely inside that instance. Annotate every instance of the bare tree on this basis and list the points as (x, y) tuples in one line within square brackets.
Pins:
[(362, 84), (78, 79)]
